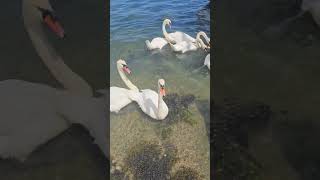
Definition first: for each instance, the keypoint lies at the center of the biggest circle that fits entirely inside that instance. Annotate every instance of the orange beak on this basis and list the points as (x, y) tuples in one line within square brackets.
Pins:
[(54, 25), (162, 91)]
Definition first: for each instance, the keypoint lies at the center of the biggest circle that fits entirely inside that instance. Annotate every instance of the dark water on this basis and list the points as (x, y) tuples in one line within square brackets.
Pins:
[(132, 20), (279, 70), (72, 154)]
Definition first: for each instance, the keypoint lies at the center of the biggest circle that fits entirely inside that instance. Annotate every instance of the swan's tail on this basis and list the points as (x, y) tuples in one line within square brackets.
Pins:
[(281, 28), (149, 45)]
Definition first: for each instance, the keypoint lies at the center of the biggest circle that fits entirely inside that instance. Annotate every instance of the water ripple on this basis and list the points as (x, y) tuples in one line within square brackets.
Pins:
[(134, 20)]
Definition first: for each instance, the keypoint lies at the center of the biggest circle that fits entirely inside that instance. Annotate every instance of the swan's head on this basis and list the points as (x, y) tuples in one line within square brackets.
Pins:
[(47, 16), (167, 22), (121, 64), (161, 85)]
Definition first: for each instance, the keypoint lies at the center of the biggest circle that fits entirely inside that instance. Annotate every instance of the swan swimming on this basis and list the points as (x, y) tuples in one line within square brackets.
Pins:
[(151, 102), (120, 97), (185, 46), (156, 43), (32, 113), (177, 36)]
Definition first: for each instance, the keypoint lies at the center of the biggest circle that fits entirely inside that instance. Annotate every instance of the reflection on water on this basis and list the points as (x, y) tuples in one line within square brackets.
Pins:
[(280, 71), (72, 154), (132, 23)]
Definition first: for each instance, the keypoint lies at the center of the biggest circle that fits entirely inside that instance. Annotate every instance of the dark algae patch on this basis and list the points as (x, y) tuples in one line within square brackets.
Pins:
[(185, 173), (148, 160), (232, 122), (179, 108)]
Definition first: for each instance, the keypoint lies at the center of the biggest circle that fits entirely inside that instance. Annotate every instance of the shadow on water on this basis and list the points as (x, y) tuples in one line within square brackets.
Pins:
[(72, 154)]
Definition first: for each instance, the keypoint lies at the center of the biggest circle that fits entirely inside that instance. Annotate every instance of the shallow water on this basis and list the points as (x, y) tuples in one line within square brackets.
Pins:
[(281, 71), (131, 24)]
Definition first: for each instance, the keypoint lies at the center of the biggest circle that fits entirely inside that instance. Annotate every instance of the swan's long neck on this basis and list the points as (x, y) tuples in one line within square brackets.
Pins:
[(165, 34), (70, 80), (200, 42), (160, 104), (125, 79)]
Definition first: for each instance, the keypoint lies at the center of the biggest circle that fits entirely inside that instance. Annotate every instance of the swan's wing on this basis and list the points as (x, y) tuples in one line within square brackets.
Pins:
[(184, 46), (159, 42), (148, 101), (119, 98), (180, 36), (23, 127)]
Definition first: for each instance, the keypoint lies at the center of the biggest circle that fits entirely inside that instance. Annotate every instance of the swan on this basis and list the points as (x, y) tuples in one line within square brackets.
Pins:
[(177, 36), (207, 61), (120, 97), (185, 46), (36, 13), (31, 113), (151, 102), (156, 43), (24, 126)]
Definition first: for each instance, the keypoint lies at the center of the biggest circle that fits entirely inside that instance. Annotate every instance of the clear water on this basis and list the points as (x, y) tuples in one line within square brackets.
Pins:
[(133, 22)]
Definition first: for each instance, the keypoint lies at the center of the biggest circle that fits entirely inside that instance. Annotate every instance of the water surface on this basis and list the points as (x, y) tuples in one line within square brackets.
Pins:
[(132, 23)]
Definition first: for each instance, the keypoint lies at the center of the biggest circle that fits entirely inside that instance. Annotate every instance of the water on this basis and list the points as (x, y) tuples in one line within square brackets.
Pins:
[(71, 155), (132, 23), (280, 71)]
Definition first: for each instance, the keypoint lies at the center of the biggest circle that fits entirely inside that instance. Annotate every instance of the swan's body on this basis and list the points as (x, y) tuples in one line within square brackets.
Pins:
[(185, 46), (25, 126), (120, 97), (207, 61), (151, 102), (156, 43), (32, 114)]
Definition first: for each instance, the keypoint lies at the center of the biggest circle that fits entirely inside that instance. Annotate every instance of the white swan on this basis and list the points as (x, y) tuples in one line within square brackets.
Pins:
[(185, 46), (207, 61), (120, 97), (32, 114), (151, 102), (35, 13), (177, 36), (156, 43)]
